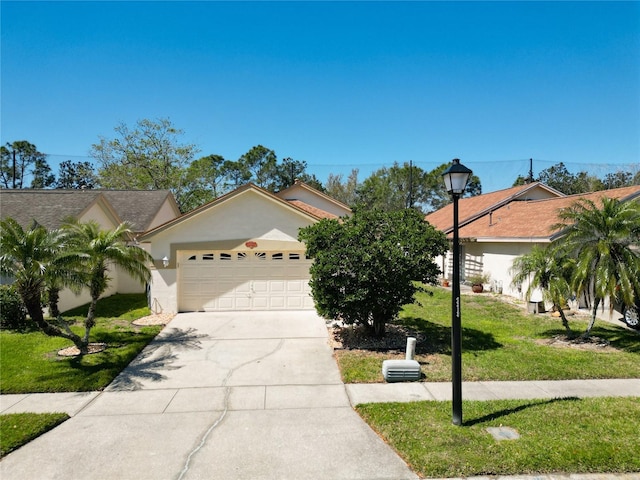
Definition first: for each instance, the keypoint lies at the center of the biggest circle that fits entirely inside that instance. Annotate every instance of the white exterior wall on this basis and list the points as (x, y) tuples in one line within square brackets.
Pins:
[(249, 215), (498, 259), (166, 213), (492, 258), (163, 296), (126, 284), (97, 214)]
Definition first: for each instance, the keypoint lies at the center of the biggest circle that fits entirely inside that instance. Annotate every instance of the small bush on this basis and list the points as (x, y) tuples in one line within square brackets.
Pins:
[(13, 315)]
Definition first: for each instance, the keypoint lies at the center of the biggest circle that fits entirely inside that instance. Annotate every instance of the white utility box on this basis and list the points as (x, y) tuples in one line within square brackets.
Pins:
[(401, 370)]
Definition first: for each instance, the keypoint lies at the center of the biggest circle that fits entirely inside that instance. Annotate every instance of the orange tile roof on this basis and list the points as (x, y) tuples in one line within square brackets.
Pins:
[(532, 219), (471, 207), (316, 212)]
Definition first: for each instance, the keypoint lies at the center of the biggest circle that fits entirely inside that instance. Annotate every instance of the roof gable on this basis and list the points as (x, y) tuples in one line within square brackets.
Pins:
[(267, 199), (314, 200), (141, 207)]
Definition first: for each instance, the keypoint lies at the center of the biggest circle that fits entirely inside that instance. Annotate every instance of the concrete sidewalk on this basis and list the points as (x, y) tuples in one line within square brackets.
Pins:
[(290, 396)]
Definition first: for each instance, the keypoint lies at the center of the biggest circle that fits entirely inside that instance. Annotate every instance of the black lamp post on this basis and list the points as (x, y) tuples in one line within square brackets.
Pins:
[(456, 178)]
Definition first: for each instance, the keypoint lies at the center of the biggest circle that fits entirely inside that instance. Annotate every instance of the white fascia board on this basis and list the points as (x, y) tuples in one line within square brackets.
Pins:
[(513, 240)]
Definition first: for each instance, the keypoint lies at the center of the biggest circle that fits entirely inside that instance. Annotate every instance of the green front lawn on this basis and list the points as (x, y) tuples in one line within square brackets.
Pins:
[(16, 429), (559, 435), (500, 342), (29, 361)]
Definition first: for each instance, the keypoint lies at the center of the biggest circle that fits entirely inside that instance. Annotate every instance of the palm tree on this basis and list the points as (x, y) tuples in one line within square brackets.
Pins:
[(32, 258), (546, 268), (605, 243), (99, 250)]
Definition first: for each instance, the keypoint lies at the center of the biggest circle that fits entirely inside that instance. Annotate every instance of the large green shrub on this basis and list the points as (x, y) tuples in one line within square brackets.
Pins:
[(366, 266), (13, 315)]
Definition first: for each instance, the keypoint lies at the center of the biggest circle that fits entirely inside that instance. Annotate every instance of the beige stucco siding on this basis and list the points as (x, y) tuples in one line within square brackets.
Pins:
[(225, 226), (166, 213)]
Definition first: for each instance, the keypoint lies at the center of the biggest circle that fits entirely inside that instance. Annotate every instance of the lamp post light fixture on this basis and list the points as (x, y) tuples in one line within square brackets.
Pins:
[(456, 178)]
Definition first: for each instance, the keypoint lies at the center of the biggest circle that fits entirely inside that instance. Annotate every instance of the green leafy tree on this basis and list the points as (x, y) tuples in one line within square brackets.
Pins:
[(76, 176), (32, 258), (347, 191), (236, 174), (548, 269), (605, 241), (29, 162), (288, 170), (260, 162), (206, 180), (42, 176), (558, 177), (148, 157), (96, 251), (436, 193), (395, 188), (365, 266), (620, 179)]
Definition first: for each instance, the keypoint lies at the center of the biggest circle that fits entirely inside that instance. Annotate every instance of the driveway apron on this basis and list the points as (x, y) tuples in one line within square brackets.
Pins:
[(239, 395)]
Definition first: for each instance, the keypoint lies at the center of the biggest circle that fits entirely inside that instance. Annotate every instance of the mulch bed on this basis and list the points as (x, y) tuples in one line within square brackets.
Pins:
[(155, 319), (74, 351)]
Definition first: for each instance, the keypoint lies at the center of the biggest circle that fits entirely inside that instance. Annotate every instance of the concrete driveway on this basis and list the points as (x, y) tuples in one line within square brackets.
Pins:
[(254, 395)]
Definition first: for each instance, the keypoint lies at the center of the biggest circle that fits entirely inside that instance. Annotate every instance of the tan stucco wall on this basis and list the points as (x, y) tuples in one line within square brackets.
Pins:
[(166, 213), (249, 215)]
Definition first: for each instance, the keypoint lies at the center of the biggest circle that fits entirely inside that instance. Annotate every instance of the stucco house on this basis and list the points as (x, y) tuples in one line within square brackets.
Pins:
[(497, 227), (238, 252), (144, 210)]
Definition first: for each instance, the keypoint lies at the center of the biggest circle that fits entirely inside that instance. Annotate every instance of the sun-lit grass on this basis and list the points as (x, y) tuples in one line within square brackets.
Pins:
[(557, 435), (16, 429), (499, 342), (29, 361)]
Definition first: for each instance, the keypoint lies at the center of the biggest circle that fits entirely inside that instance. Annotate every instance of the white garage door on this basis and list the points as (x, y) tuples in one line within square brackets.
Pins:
[(218, 280)]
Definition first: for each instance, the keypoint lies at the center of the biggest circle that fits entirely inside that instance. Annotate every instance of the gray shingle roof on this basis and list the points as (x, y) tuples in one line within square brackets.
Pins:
[(138, 207), (51, 207)]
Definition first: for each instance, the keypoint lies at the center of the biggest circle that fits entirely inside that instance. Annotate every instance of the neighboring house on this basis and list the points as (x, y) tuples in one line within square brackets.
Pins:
[(238, 252), (497, 227), (144, 210)]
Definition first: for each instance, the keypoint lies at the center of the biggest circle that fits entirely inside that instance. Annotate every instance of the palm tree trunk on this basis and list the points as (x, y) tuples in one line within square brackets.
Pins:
[(34, 309), (54, 297), (596, 302), (90, 321), (565, 322)]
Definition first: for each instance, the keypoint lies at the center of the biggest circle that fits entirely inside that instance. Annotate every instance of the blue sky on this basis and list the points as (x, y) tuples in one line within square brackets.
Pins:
[(340, 85)]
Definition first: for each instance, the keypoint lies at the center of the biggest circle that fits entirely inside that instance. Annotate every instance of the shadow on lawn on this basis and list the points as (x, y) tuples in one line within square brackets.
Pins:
[(157, 358), (509, 411), (437, 338), (616, 336)]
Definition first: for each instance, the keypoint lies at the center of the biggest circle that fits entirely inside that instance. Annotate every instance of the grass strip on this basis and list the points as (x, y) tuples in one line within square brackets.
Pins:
[(591, 435), (499, 342), (16, 429)]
